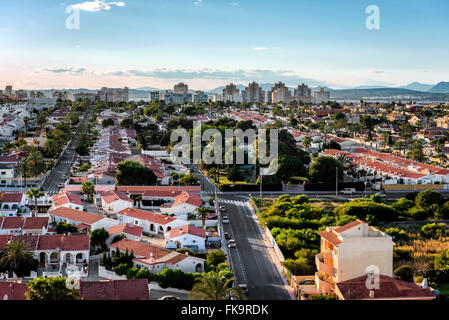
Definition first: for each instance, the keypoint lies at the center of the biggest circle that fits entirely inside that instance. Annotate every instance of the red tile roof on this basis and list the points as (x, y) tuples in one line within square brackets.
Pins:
[(390, 288), (36, 223), (115, 290), (111, 196), (76, 215), (64, 198), (187, 229), (126, 228), (146, 215), (143, 252), (64, 242), (13, 291), (189, 198), (50, 242), (330, 236), (12, 222), (11, 197), (349, 226)]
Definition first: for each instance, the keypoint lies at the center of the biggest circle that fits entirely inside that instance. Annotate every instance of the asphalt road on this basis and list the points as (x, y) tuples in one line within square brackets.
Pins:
[(250, 260), (66, 161)]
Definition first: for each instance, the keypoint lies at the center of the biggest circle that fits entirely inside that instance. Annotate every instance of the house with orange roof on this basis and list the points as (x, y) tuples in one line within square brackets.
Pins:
[(187, 236), (155, 259), (184, 205), (24, 225), (356, 263), (129, 231), (86, 220), (68, 200), (114, 201), (151, 222)]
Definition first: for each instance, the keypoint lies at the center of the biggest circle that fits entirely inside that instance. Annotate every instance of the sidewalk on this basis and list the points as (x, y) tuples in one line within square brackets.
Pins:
[(273, 255)]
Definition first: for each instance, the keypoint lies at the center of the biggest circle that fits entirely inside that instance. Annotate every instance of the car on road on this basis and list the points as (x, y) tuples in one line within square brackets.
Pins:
[(169, 298), (244, 288), (225, 221), (61, 185), (227, 236), (381, 194), (348, 191), (231, 244), (222, 208)]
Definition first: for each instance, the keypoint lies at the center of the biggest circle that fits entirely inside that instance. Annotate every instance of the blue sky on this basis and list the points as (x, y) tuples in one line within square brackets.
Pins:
[(212, 42)]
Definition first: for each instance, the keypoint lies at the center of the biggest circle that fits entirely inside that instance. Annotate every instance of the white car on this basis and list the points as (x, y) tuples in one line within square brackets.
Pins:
[(348, 191), (225, 221)]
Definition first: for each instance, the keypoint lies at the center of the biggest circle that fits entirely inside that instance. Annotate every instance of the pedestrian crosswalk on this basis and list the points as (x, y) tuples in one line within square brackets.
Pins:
[(240, 203)]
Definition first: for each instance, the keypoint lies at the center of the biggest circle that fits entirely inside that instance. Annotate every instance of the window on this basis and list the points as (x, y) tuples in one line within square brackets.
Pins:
[(3, 173)]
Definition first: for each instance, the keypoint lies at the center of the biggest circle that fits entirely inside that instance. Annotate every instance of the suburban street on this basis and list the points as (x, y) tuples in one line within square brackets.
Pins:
[(63, 166), (250, 260)]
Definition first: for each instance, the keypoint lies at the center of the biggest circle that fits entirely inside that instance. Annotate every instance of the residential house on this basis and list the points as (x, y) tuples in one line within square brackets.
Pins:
[(114, 201), (83, 220), (156, 259), (67, 200), (24, 225), (129, 231), (184, 205), (186, 236), (151, 222)]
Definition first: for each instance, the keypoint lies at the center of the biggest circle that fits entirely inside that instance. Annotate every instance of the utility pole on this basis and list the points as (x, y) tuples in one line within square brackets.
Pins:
[(261, 178)]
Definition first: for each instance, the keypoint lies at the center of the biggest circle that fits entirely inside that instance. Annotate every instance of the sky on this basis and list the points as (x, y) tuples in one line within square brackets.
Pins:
[(209, 43)]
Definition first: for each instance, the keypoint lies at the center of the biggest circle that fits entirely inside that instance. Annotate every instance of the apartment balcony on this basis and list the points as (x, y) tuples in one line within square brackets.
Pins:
[(324, 263), (324, 283)]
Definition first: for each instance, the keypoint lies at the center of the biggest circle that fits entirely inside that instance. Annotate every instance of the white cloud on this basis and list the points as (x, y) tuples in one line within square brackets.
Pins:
[(97, 5), (260, 48), (198, 3), (235, 4)]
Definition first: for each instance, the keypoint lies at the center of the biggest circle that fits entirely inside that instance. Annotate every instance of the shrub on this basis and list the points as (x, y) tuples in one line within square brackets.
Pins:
[(404, 273), (214, 258), (396, 233), (425, 200), (403, 205), (121, 269), (322, 297), (362, 208), (301, 199), (416, 213), (434, 230), (441, 261), (298, 267), (401, 254), (345, 219)]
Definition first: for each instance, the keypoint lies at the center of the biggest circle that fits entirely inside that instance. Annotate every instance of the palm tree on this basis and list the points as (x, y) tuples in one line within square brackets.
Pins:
[(23, 170), (215, 286), (202, 213), (34, 194), (307, 142), (36, 163), (88, 188), (15, 256), (344, 161)]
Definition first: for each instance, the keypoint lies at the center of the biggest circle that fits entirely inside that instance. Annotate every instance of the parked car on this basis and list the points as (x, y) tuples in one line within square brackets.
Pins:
[(227, 236), (244, 288), (232, 245), (169, 298), (307, 282), (225, 221), (348, 191), (222, 208)]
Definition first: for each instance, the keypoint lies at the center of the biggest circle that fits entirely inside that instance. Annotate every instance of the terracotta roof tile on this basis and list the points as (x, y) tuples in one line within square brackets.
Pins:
[(76, 215), (146, 215), (115, 290), (126, 228), (187, 229)]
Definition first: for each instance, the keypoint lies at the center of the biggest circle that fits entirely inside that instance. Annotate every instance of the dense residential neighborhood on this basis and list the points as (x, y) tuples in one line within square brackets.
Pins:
[(241, 160), (358, 186)]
